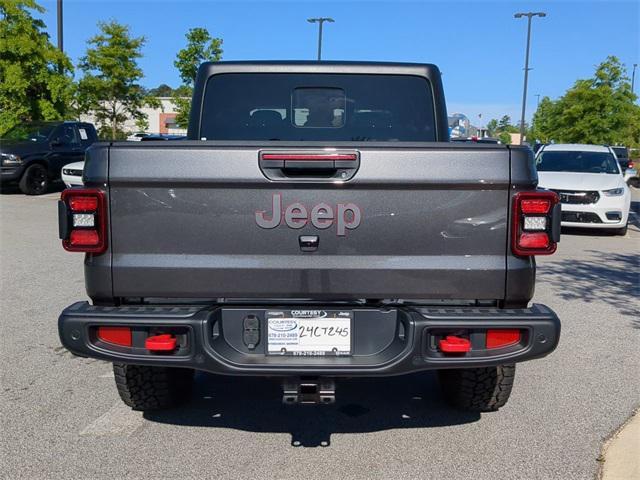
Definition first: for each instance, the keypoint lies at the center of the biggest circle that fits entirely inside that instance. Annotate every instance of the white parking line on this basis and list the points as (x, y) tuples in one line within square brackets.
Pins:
[(118, 420)]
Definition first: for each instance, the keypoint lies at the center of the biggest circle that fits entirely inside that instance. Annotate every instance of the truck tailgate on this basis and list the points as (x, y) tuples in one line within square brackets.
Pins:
[(433, 225)]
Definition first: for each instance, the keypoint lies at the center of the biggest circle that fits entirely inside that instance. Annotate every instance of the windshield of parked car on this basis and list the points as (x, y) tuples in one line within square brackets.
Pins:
[(318, 107), (579, 162), (32, 132)]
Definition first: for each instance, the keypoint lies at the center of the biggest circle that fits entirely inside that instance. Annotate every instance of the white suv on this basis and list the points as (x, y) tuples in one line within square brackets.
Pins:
[(588, 179)]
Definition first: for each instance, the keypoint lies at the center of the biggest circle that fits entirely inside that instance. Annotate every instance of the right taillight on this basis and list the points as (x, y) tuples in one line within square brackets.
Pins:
[(83, 220), (536, 223)]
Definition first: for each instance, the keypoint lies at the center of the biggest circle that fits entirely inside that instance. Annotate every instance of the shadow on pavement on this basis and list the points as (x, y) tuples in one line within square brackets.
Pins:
[(362, 405), (12, 189), (606, 277)]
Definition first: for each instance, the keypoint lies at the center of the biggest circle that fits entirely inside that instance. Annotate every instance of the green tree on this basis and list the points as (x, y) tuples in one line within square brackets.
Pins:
[(201, 47), (501, 128), (504, 123), (596, 110), (492, 127), (543, 121), (110, 88), (505, 138), (142, 124), (162, 90), (36, 80)]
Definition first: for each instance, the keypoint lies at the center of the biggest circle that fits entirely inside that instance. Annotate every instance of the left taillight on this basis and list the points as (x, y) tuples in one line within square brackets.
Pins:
[(535, 223), (82, 216)]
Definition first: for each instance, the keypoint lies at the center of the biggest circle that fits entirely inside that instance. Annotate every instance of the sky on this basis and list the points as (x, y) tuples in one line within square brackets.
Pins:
[(478, 45)]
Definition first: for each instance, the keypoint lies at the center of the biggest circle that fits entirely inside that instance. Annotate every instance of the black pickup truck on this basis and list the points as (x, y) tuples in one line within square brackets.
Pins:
[(32, 155), (317, 223)]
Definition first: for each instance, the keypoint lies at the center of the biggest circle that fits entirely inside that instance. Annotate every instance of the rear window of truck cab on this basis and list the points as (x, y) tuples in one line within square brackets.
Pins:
[(318, 107)]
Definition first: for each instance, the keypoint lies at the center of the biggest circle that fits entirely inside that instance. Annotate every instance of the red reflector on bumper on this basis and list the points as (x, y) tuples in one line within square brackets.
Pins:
[(502, 338), (81, 238), (160, 343), (453, 344), (115, 335), (533, 240)]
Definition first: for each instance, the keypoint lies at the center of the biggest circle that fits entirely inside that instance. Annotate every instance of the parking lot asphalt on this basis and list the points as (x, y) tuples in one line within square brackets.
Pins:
[(62, 418)]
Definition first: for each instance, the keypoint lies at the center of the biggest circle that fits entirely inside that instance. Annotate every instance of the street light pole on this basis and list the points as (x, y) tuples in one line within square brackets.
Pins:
[(320, 21), (60, 25), (633, 77), (537, 100), (529, 16)]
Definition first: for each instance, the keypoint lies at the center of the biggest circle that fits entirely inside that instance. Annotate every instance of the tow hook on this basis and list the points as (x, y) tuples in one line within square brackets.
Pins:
[(308, 390), (160, 343), (453, 344)]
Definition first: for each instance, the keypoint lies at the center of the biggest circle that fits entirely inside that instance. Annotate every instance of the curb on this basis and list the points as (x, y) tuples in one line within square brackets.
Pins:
[(620, 457)]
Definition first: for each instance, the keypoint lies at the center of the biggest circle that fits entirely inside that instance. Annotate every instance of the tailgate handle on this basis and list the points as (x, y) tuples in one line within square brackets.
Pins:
[(309, 243), (329, 165)]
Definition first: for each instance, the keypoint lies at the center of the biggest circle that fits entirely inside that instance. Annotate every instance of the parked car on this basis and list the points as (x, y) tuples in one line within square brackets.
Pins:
[(153, 138), (33, 155), (489, 140), (336, 233), (590, 183), (536, 147), (72, 174), (627, 166), (136, 137), (622, 155)]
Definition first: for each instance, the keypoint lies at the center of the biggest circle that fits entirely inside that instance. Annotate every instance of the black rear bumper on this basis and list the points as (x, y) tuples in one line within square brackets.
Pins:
[(386, 341)]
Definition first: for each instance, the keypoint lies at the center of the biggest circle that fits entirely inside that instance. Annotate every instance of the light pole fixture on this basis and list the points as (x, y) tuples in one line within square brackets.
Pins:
[(529, 16), (320, 21)]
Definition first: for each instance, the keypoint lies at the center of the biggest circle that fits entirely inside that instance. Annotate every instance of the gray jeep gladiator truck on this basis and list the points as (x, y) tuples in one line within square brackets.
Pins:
[(316, 223)]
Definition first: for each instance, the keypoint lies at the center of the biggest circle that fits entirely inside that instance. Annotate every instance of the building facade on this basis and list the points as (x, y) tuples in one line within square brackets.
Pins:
[(160, 120)]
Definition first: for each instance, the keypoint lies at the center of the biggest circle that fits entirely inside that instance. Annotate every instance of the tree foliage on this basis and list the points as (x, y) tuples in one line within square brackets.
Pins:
[(201, 47), (492, 127), (599, 110), (162, 90), (35, 77), (501, 128), (109, 87), (543, 121)]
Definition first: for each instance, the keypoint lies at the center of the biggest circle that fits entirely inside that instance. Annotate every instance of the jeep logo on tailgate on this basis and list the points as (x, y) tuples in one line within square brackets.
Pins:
[(346, 216)]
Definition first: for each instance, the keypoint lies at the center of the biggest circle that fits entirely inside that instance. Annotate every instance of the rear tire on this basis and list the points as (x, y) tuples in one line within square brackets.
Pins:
[(152, 388), (34, 180), (478, 389)]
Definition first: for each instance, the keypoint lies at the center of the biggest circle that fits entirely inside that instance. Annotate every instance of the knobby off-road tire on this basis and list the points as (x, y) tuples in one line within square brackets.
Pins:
[(152, 388), (478, 389)]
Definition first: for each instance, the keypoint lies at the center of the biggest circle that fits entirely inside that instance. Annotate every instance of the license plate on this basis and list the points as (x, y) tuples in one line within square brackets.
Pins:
[(309, 332)]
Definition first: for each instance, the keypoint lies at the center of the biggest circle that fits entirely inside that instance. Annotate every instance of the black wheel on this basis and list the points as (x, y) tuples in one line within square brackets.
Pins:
[(622, 231), (152, 388), (478, 389), (35, 180)]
